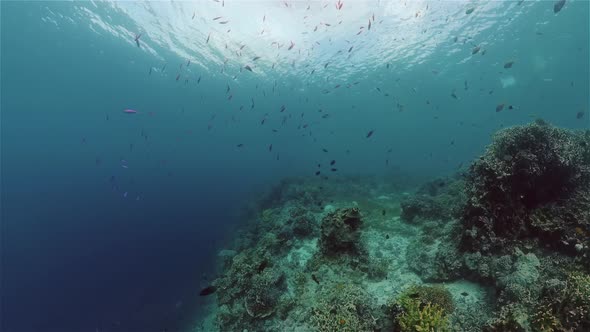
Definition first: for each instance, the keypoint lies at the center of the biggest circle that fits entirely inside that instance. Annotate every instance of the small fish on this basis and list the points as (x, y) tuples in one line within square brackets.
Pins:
[(332, 162), (177, 77), (248, 68), (350, 49), (469, 11), (291, 46), (333, 169), (383, 212), (325, 150), (255, 58), (240, 145), (369, 27), (208, 36), (216, 18), (317, 173), (262, 266), (500, 107), (283, 108), (454, 95), (464, 293), (223, 22), (508, 64), (315, 279), (558, 6), (207, 290), (580, 115), (475, 50), (270, 148), (129, 111), (137, 39), (370, 133)]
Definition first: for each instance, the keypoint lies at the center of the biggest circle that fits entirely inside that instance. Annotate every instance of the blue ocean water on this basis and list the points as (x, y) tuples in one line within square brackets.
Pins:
[(111, 221)]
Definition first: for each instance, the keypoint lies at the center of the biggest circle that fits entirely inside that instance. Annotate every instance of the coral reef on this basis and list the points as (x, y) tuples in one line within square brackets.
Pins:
[(510, 240)]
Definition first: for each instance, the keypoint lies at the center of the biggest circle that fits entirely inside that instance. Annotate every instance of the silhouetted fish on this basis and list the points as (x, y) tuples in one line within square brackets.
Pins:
[(558, 6), (315, 279), (207, 290)]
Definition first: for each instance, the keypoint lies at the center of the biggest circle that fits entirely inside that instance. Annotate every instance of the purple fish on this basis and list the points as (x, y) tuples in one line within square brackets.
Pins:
[(128, 111)]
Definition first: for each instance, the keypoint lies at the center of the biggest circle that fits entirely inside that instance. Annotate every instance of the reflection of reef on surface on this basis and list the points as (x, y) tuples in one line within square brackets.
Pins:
[(503, 247)]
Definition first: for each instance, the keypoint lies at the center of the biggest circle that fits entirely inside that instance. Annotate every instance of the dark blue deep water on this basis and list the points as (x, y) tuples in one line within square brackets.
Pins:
[(112, 221)]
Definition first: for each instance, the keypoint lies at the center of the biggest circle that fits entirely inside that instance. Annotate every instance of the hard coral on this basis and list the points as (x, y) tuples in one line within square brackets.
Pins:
[(343, 307), (435, 295), (340, 232), (526, 168), (423, 318)]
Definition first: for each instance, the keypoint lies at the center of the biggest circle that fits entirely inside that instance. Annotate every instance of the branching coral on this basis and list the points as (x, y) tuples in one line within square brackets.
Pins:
[(422, 318), (544, 320), (423, 308), (436, 295)]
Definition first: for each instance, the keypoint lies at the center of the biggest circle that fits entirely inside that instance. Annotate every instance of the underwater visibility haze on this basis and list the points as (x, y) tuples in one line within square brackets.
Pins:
[(342, 165)]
